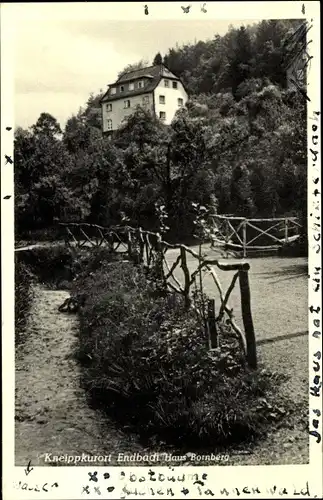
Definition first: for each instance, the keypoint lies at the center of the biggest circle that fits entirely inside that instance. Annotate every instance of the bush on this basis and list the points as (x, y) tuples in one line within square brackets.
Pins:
[(298, 248), (52, 233), (146, 359), (52, 265), (58, 265), (23, 297)]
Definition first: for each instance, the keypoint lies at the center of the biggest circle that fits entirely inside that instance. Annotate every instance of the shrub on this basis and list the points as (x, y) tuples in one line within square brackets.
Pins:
[(52, 264), (53, 234), (58, 265), (146, 359), (23, 297), (298, 248)]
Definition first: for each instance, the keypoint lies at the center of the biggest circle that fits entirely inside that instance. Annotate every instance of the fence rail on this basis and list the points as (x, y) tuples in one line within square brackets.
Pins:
[(149, 249), (240, 233)]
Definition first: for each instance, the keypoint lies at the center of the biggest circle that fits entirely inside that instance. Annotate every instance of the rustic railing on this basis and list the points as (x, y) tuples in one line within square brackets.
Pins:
[(148, 248), (240, 233)]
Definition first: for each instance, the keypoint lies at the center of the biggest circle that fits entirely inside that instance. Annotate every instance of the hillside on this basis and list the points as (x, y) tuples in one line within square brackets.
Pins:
[(238, 147)]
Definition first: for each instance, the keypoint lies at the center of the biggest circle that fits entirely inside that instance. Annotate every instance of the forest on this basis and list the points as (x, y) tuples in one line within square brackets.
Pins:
[(238, 147)]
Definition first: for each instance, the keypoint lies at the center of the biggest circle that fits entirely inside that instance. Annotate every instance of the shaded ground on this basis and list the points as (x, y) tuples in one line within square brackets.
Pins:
[(53, 416)]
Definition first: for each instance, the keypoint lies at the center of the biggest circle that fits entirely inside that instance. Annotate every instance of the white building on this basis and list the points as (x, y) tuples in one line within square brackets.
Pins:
[(154, 88)]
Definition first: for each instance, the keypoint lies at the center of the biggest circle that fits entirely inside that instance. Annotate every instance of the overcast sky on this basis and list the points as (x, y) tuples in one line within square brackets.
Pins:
[(59, 63)]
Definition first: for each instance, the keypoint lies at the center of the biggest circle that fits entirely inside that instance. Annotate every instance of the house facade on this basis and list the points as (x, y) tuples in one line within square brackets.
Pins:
[(155, 89)]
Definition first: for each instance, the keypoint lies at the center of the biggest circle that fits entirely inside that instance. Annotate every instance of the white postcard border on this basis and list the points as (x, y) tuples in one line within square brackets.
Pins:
[(304, 481)]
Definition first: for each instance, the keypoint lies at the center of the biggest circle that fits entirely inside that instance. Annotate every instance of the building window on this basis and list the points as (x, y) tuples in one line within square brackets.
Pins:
[(109, 107), (122, 88), (180, 102), (174, 85), (109, 124), (140, 84), (113, 90), (145, 99), (161, 99), (162, 115), (166, 83), (131, 86), (127, 104)]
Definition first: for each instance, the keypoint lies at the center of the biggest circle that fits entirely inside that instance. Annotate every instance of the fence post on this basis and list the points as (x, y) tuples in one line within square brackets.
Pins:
[(186, 278), (141, 246), (244, 237), (227, 231), (214, 229), (109, 239), (146, 241), (65, 237), (286, 230), (211, 324), (159, 259), (129, 244), (247, 319)]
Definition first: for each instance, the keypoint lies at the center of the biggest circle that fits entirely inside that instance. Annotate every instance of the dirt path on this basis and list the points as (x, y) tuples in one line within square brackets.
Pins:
[(52, 414)]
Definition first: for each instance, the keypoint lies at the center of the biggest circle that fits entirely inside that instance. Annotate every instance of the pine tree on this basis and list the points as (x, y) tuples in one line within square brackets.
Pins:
[(158, 60)]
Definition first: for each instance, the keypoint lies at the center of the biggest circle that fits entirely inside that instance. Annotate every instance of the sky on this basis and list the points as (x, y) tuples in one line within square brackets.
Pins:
[(59, 62)]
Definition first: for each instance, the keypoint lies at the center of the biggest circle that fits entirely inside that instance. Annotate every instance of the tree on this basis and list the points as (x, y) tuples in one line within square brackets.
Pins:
[(225, 62), (142, 146), (42, 164), (79, 134), (138, 127), (192, 179), (40, 191), (158, 60), (241, 193), (47, 125), (163, 165), (240, 64), (92, 113)]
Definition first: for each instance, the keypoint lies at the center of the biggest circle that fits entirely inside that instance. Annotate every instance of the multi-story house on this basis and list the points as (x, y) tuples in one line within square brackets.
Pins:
[(154, 89)]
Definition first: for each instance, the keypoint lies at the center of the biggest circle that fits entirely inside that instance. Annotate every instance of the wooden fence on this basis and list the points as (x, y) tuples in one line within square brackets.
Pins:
[(149, 249), (240, 233)]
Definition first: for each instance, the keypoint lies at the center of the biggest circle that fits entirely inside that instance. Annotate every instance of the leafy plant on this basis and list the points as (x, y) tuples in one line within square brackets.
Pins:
[(23, 298)]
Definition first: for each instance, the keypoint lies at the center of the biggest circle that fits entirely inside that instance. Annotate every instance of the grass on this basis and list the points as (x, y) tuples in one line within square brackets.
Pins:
[(23, 298)]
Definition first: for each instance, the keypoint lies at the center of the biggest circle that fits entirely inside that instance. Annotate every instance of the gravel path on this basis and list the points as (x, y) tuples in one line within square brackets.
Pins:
[(279, 301), (278, 289)]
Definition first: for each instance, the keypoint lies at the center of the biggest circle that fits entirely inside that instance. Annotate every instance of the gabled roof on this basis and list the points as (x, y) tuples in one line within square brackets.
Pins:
[(152, 76), (149, 72)]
